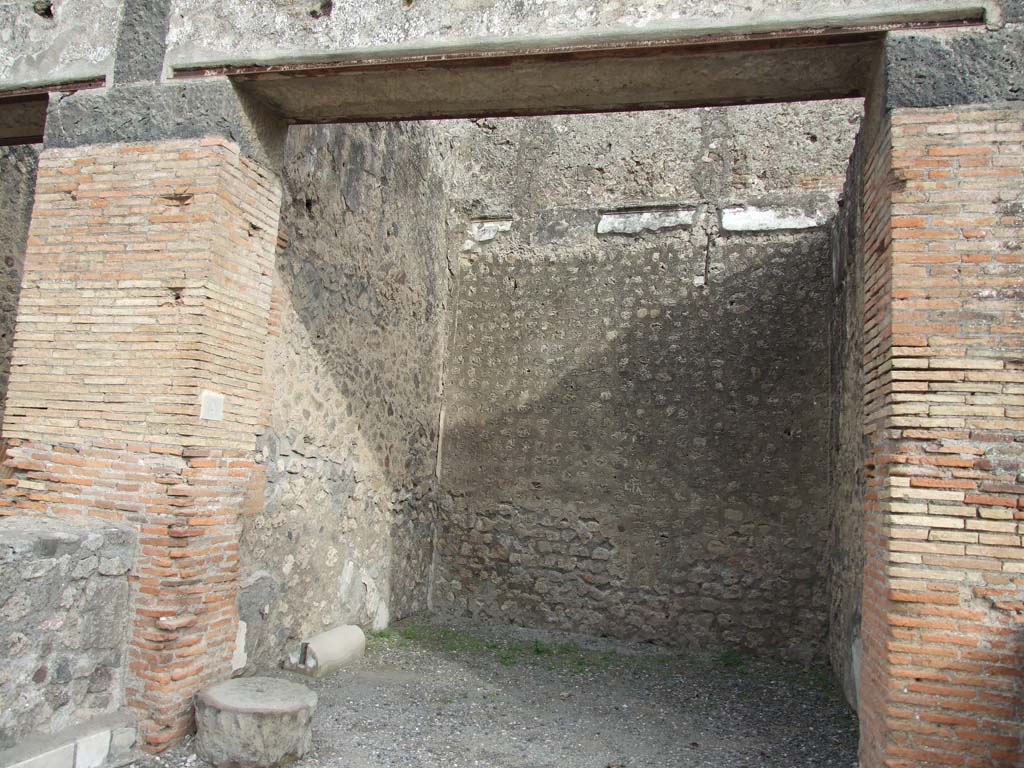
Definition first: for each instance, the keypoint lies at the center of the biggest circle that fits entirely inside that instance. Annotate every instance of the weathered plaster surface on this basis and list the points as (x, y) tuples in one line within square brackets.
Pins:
[(282, 28), (354, 387), (64, 615), (76, 43), (636, 425), (79, 39), (17, 191)]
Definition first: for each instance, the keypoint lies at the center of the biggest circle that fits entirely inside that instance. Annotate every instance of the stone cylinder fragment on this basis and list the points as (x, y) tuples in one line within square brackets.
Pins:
[(328, 651)]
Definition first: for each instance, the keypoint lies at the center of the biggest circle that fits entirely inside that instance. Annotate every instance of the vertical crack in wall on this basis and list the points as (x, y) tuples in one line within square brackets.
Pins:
[(713, 167)]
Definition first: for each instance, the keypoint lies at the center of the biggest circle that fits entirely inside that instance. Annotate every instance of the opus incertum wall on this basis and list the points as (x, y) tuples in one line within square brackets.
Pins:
[(137, 390)]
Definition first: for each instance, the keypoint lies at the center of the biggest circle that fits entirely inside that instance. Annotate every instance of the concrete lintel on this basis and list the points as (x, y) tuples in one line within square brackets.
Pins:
[(659, 79), (43, 87), (23, 109)]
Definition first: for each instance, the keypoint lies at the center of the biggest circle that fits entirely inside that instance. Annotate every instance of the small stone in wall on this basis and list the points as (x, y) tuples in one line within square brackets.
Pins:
[(113, 566), (483, 231)]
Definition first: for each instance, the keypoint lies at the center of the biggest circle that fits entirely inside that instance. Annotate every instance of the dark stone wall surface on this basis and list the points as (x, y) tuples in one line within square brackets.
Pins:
[(847, 449), (952, 68), (17, 192), (64, 616), (353, 382), (637, 425)]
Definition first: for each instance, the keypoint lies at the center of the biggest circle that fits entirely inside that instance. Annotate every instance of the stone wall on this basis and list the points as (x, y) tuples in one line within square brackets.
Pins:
[(637, 389), (847, 450), (17, 189), (64, 616), (353, 373)]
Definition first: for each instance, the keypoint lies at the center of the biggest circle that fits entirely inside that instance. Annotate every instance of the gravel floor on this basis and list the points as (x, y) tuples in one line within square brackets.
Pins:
[(456, 695)]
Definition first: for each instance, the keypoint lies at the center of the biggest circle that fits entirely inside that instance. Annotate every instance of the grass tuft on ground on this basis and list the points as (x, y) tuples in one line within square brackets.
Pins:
[(572, 658)]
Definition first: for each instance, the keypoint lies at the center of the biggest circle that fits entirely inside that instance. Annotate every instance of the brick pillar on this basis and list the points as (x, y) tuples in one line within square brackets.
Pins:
[(135, 389), (943, 612)]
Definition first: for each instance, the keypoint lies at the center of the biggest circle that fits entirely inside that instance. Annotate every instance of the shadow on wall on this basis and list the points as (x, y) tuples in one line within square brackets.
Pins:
[(635, 454), (18, 167), (848, 449), (354, 381)]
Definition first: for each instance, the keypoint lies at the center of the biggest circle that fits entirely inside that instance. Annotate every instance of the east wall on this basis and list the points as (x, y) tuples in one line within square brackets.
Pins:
[(638, 424)]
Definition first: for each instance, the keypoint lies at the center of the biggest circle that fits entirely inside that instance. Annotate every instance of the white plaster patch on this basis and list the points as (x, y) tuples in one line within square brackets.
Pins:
[(211, 405), (748, 218), (345, 582), (239, 658), (371, 594), (646, 220), (382, 617)]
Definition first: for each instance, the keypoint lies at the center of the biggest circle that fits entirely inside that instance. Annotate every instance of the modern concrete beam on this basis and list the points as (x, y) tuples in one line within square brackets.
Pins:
[(532, 86), (806, 58)]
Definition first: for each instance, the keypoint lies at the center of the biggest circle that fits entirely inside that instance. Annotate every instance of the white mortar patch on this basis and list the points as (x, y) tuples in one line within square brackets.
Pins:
[(646, 220), (748, 218), (382, 618), (211, 405), (239, 658)]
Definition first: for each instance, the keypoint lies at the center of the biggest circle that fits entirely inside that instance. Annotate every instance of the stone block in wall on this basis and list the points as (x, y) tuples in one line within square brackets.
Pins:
[(750, 218), (64, 615)]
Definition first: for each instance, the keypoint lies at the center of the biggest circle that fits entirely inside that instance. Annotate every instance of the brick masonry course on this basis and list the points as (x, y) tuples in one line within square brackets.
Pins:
[(944, 584)]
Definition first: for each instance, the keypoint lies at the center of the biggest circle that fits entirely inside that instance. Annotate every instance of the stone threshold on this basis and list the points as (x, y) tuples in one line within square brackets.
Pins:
[(107, 741)]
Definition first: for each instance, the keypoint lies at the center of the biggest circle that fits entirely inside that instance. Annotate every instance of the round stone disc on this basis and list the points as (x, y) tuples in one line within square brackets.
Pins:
[(258, 695)]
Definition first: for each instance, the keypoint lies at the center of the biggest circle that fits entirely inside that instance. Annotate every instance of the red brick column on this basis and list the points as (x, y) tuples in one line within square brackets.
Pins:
[(136, 382), (943, 613)]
